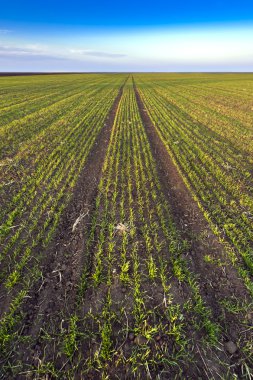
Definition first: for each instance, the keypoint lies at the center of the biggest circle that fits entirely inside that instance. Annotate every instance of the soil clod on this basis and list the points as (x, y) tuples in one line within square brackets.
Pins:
[(231, 347), (140, 340)]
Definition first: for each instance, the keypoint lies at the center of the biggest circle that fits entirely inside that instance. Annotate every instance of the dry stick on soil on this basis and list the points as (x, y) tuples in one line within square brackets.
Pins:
[(78, 220)]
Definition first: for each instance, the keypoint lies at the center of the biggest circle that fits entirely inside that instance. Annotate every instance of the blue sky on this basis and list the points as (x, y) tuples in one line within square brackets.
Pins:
[(126, 36)]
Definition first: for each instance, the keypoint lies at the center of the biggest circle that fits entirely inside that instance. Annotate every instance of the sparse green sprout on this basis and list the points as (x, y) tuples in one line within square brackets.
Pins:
[(124, 274), (152, 269), (70, 340)]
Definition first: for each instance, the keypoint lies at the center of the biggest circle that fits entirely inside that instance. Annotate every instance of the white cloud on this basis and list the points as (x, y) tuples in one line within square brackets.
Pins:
[(5, 31), (32, 52), (101, 54), (13, 50)]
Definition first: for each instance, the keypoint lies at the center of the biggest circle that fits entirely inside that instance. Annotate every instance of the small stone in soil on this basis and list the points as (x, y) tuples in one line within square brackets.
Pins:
[(140, 339), (231, 347), (158, 338), (249, 317)]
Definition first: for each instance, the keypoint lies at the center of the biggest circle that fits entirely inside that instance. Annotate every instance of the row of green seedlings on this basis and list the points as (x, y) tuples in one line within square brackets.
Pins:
[(69, 163), (234, 181), (217, 112), (18, 92), (42, 100), (224, 158), (176, 246), (29, 199), (223, 96), (231, 181), (71, 338), (247, 347), (155, 261), (119, 151), (23, 128), (200, 171), (27, 94), (34, 151), (240, 174), (47, 96), (212, 328), (55, 141), (58, 156), (27, 250)]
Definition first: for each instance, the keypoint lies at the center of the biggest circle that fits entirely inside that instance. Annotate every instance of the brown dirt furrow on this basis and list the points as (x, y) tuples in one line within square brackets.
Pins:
[(218, 280), (55, 294)]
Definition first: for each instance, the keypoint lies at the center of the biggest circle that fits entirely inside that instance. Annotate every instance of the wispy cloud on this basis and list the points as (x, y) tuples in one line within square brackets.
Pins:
[(31, 52), (5, 31), (14, 50), (9, 51), (101, 54)]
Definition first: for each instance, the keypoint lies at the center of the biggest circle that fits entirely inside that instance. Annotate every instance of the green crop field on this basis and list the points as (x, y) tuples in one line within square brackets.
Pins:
[(126, 226)]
